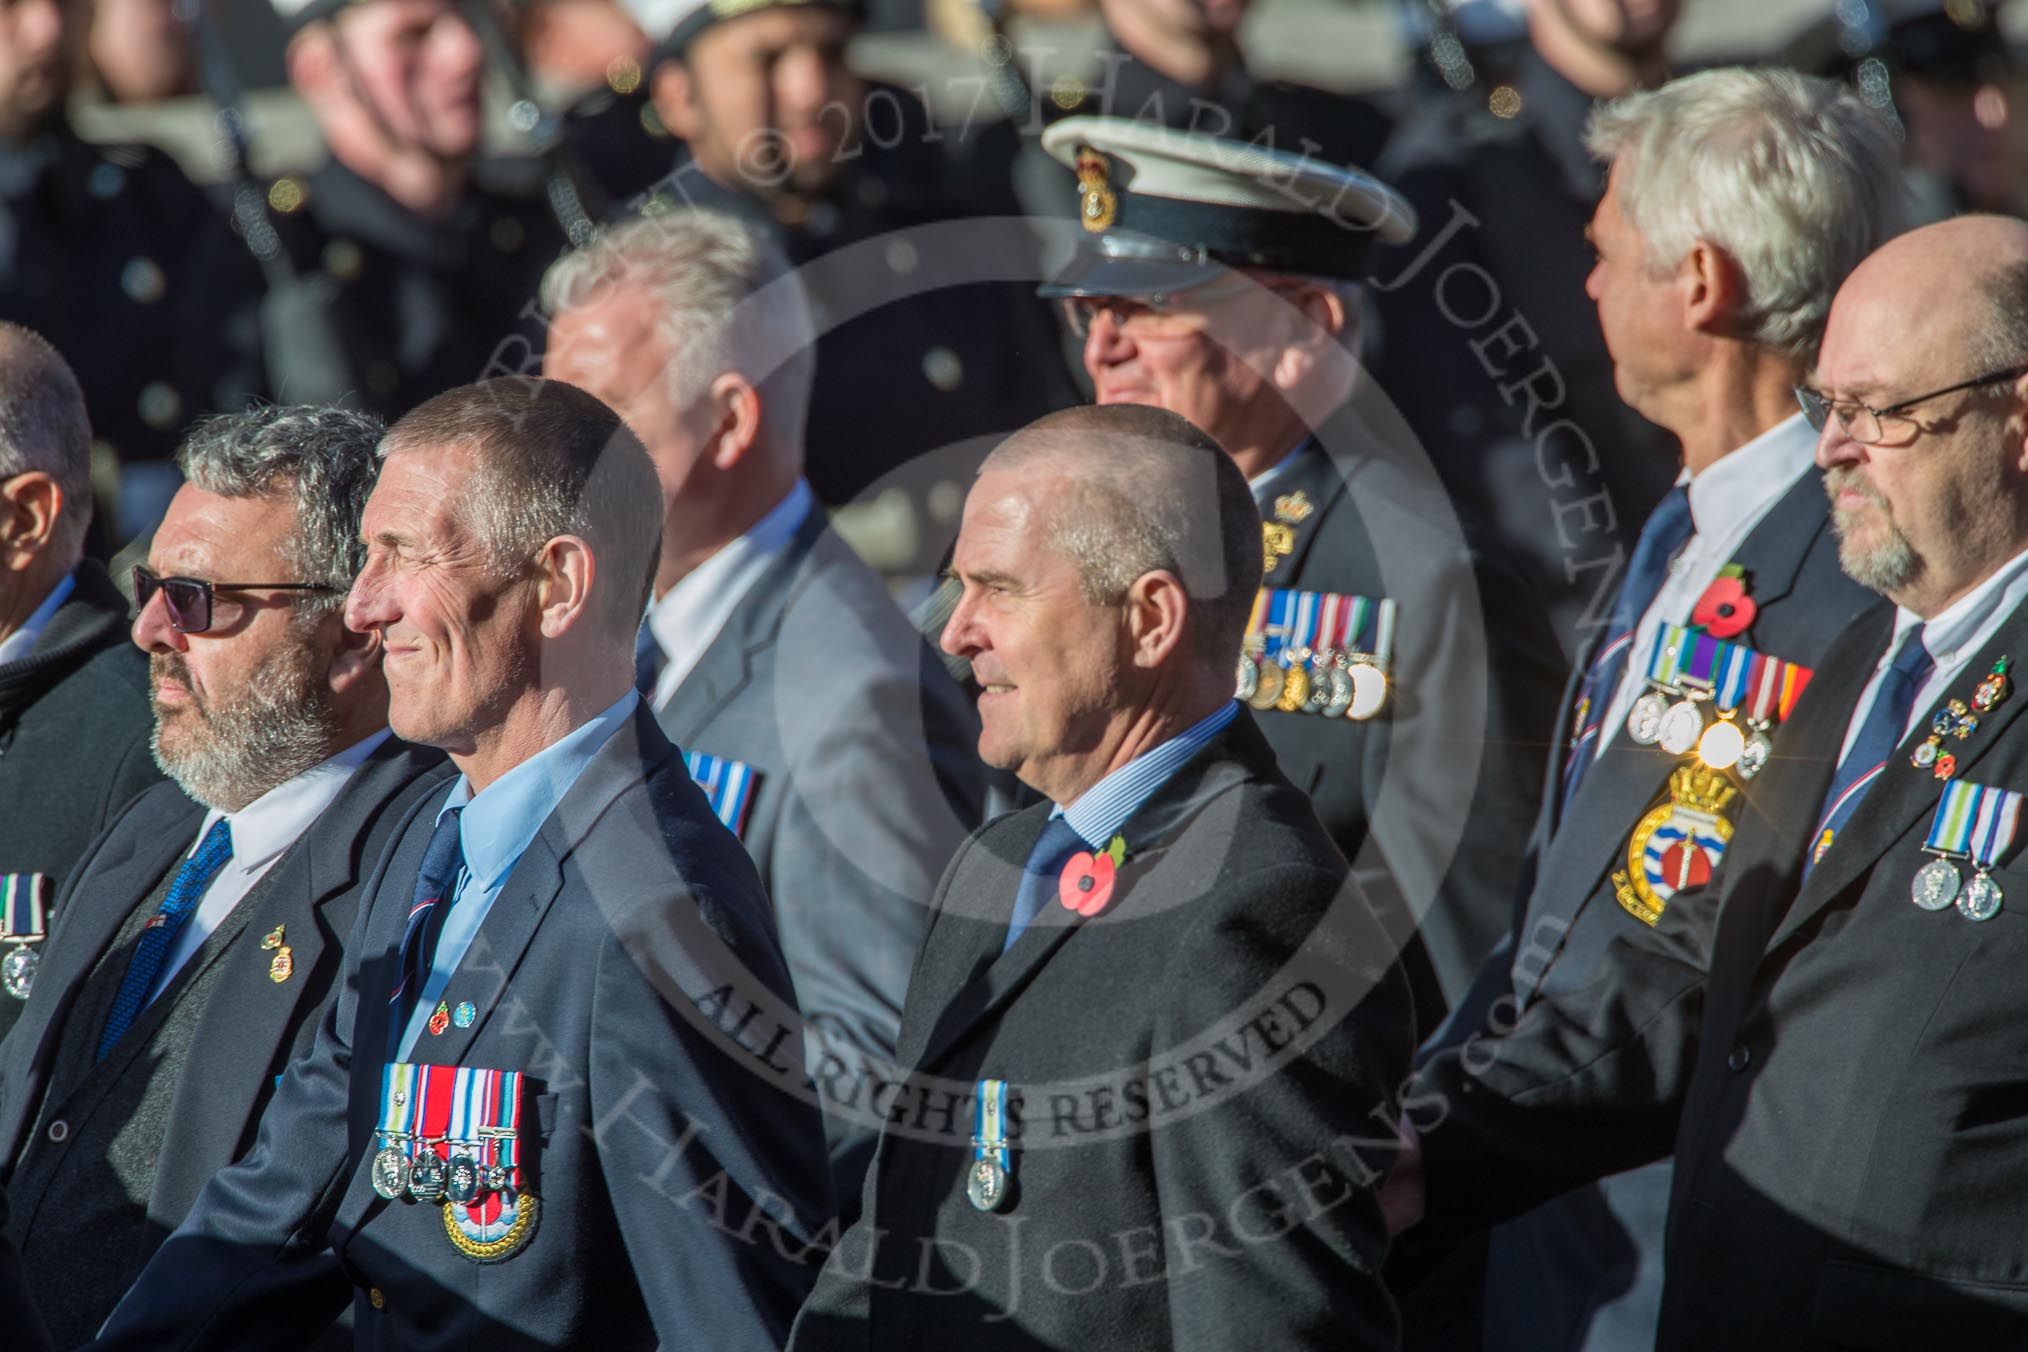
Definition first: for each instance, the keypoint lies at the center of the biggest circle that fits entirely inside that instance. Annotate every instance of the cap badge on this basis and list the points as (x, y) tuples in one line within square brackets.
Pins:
[(1096, 206)]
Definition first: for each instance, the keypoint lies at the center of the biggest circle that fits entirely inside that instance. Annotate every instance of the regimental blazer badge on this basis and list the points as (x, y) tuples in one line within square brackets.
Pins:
[(1677, 847)]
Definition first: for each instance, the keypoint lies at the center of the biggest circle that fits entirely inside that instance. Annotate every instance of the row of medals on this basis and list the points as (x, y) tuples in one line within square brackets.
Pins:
[(1938, 883), (1683, 724), (427, 1177), (1331, 684)]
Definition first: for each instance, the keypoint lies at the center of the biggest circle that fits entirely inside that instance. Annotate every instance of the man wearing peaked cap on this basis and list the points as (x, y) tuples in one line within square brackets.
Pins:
[(414, 260), (777, 129), (1404, 673)]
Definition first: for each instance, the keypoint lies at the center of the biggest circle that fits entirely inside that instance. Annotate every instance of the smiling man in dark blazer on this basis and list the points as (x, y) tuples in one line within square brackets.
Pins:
[(1836, 1069), (1154, 1028), (202, 934), (824, 730), (559, 1100), (1711, 319)]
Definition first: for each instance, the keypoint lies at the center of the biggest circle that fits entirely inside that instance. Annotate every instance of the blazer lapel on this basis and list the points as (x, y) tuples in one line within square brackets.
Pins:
[(1904, 793), (1773, 553)]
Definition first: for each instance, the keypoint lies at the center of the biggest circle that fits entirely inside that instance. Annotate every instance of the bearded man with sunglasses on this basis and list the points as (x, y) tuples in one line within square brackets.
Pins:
[(199, 940)]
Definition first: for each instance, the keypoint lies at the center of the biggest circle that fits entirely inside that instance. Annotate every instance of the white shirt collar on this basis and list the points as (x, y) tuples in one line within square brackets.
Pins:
[(1962, 627), (1742, 485), (688, 617), (277, 819)]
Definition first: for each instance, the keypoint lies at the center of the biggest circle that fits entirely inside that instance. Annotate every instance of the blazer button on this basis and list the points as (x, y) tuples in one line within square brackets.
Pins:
[(376, 1299), (59, 1131), (1740, 1059)]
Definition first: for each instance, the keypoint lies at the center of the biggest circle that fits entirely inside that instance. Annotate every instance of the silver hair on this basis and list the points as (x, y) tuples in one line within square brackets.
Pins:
[(724, 297), (322, 456), (43, 425), (1793, 177)]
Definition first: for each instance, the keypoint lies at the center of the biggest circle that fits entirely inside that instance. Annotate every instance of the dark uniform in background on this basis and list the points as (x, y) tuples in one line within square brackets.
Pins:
[(1525, 428), (74, 738)]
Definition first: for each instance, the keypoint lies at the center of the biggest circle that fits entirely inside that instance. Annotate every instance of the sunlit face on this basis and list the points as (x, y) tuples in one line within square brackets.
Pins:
[(1635, 27), (1638, 312), (1936, 503), (36, 41), (613, 348), (245, 704), (417, 65), (460, 640), (771, 104), (1216, 372), (1202, 18), (1046, 659)]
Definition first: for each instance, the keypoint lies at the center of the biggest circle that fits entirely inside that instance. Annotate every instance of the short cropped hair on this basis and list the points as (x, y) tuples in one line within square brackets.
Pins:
[(1148, 491), (43, 426), (551, 460), (723, 294), (320, 455), (1793, 177)]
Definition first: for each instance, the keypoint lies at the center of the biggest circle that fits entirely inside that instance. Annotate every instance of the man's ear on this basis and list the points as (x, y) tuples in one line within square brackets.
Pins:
[(1156, 610), (1713, 290), (565, 572), (736, 426), (30, 505), (1319, 316), (674, 95)]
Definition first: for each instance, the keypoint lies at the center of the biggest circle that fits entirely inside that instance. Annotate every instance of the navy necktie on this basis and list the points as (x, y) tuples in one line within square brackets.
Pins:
[(1885, 725), (1053, 849), (185, 890), (1668, 526), (648, 661), (442, 859)]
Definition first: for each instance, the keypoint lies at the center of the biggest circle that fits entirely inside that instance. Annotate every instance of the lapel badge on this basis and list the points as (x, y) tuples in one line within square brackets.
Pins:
[(283, 965), (1294, 508), (1992, 691), (1097, 207), (1277, 540), (272, 940), (440, 1020), (464, 1014), (1086, 884)]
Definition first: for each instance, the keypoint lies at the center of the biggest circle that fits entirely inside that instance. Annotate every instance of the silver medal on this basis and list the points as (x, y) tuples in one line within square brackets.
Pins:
[(1321, 690), (1340, 681), (390, 1174), (1249, 678), (17, 971), (426, 1176), (1681, 726), (1644, 720), (497, 1178), (1753, 758), (985, 1184), (1369, 691), (1981, 900), (462, 1186), (1936, 885)]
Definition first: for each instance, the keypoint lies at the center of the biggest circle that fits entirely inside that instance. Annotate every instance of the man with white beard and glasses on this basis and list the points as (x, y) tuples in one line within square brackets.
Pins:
[(199, 942)]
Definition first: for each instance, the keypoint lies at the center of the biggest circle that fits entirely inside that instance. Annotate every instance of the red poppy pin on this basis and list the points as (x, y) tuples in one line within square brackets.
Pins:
[(1087, 881), (1725, 610)]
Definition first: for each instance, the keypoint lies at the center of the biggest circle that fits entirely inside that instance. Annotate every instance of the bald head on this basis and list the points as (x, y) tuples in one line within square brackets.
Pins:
[(1142, 490), (1932, 332)]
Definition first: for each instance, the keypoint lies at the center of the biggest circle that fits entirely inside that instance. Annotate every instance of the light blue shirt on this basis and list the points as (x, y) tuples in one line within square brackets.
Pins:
[(22, 641), (1263, 484), (494, 831), (1101, 810)]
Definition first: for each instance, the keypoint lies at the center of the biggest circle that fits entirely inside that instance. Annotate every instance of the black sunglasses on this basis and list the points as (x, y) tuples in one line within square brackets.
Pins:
[(188, 599)]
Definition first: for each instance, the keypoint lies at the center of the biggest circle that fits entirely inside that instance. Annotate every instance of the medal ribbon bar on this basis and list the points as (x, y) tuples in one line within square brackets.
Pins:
[(990, 1123), (24, 901), (1976, 821)]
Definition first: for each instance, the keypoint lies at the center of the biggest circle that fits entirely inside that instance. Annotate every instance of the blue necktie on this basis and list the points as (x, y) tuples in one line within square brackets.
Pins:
[(184, 892), (1667, 528), (1882, 731), (1053, 849), (648, 661), (442, 859)]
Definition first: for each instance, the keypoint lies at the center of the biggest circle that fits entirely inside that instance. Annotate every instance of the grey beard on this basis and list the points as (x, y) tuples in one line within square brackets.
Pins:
[(279, 726)]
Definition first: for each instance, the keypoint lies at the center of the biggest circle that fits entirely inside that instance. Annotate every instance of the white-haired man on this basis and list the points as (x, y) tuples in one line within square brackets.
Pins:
[(825, 731), (1736, 203)]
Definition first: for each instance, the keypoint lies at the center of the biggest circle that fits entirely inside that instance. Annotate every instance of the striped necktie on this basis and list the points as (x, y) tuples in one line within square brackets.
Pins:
[(185, 891)]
